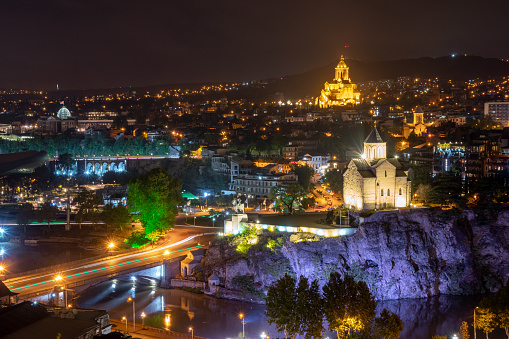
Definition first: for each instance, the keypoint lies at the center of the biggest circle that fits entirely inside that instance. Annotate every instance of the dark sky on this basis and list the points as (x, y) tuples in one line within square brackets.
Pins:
[(106, 43)]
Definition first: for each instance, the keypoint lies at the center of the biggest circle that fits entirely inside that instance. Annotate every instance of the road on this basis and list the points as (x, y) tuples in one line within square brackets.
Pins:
[(181, 238)]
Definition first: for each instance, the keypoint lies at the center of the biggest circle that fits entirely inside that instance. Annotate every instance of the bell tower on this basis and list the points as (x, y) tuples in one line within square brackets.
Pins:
[(341, 71), (418, 116), (374, 146)]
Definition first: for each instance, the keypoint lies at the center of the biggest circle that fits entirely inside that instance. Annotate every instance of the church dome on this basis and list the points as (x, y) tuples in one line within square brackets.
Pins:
[(63, 113)]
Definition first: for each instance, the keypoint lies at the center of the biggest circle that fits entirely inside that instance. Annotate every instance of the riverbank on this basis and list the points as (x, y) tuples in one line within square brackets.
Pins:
[(148, 332)]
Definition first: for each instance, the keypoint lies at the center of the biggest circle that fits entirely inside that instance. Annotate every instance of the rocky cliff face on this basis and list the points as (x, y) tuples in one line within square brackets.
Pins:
[(410, 255)]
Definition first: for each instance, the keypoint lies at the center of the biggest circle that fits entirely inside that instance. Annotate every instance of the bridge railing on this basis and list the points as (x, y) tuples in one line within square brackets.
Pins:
[(60, 267)]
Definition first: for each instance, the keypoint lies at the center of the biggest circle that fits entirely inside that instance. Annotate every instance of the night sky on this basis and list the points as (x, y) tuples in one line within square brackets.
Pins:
[(105, 43)]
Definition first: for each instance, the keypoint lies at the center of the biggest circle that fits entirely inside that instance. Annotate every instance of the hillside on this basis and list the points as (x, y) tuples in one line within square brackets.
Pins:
[(460, 68)]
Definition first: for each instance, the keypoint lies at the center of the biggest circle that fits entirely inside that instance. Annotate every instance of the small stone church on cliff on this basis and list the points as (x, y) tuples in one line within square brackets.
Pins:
[(375, 181)]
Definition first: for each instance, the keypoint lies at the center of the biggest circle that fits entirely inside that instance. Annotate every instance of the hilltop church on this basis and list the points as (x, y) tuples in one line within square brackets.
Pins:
[(375, 181), (341, 91)]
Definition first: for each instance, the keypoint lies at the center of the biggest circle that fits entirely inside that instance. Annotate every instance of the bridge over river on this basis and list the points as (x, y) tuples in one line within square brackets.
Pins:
[(158, 264)]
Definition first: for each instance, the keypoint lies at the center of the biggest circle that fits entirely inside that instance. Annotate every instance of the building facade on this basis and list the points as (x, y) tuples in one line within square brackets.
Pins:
[(341, 91), (375, 181), (498, 112)]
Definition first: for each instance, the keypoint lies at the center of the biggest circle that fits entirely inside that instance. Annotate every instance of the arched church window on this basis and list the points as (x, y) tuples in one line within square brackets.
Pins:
[(382, 192), (388, 192), (386, 174)]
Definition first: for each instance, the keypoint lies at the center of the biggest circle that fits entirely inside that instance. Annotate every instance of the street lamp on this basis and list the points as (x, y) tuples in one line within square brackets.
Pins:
[(213, 222), (242, 320), (134, 313), (192, 332), (166, 253), (125, 319), (143, 315), (455, 336), (195, 221), (110, 246)]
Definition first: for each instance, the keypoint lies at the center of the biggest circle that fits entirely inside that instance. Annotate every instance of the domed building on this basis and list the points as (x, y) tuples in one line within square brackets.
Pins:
[(341, 91), (63, 113)]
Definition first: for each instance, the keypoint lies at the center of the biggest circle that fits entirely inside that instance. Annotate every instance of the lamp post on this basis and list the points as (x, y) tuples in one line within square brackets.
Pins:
[(134, 313), (143, 315), (242, 320), (192, 332), (124, 318), (213, 222), (110, 246), (475, 329), (194, 220)]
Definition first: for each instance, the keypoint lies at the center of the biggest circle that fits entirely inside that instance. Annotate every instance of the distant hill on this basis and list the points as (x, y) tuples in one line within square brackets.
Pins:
[(458, 68), (311, 82)]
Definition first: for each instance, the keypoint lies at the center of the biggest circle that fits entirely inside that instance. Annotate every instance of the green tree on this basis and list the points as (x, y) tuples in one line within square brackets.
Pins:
[(116, 216), (88, 206), (423, 192), (46, 213), (304, 173), (349, 305), (388, 325), (280, 306), (65, 161), (447, 188), (25, 216), (153, 199), (309, 309), (287, 196), (334, 178)]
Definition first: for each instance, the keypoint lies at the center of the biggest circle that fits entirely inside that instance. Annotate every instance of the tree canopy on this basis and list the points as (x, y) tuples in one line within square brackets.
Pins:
[(286, 197), (153, 199)]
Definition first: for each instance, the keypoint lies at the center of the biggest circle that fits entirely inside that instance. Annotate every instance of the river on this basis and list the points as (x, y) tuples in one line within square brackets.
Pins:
[(219, 319)]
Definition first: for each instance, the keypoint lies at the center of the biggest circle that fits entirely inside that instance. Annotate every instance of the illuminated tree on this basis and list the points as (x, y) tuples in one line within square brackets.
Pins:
[(500, 304), (349, 305), (153, 199), (464, 331), (486, 320), (286, 197)]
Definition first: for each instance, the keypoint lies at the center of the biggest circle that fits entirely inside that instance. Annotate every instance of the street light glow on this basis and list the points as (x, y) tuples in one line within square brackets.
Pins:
[(111, 245), (58, 278)]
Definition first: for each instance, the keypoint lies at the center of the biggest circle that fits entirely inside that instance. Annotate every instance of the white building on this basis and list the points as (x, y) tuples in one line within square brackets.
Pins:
[(498, 111), (317, 162), (375, 181), (260, 185)]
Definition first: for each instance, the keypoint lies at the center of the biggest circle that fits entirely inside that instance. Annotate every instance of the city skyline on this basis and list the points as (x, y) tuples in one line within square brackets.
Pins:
[(97, 44)]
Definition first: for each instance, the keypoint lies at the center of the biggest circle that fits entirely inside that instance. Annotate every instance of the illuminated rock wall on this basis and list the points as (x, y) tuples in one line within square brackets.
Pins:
[(412, 255)]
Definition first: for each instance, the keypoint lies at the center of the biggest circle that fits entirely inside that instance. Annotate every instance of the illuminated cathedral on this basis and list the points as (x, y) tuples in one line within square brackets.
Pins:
[(375, 181), (341, 91)]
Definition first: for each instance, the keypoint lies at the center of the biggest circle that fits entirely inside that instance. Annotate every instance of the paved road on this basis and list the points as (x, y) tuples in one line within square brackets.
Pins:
[(180, 239)]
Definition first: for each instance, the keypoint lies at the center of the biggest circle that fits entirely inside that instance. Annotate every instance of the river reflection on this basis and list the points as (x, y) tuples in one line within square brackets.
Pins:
[(218, 319)]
